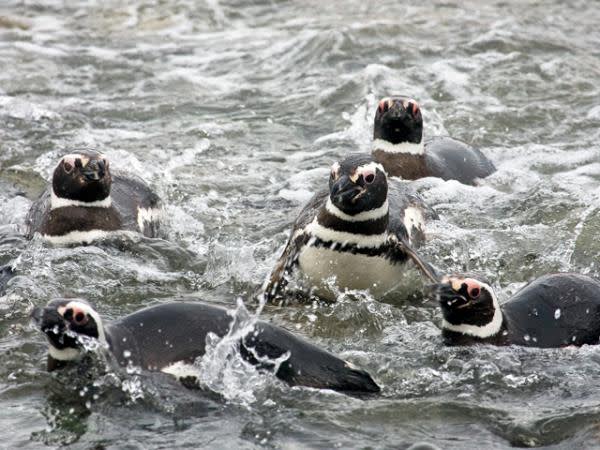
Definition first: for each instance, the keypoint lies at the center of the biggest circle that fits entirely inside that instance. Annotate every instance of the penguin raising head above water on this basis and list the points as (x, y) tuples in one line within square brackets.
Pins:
[(169, 337), (552, 311), (356, 233), (399, 146), (85, 202)]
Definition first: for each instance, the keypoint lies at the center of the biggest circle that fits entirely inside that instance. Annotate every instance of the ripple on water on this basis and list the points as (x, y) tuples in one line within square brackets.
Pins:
[(233, 113)]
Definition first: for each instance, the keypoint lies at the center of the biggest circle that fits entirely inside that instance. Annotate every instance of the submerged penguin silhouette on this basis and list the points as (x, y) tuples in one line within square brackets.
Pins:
[(169, 337)]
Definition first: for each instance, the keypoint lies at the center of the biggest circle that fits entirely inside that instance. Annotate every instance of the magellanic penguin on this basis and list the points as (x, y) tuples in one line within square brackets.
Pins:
[(552, 311), (399, 146), (358, 232), (169, 337), (6, 273), (86, 202)]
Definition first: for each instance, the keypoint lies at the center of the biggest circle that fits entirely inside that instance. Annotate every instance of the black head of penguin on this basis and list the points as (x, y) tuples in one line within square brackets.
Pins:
[(398, 120), (357, 184), (66, 324), (466, 301), (82, 176)]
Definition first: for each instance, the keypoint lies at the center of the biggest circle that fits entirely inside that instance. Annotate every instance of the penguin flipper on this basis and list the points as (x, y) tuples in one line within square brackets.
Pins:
[(401, 246), (278, 280)]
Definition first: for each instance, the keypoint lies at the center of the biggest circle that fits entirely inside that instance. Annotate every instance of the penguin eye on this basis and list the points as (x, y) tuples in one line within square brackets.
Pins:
[(80, 318), (383, 106), (474, 292), (369, 177), (67, 166)]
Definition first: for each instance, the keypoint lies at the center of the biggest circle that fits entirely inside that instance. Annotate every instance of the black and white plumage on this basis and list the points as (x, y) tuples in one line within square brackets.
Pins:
[(555, 310), (86, 202), (399, 146), (358, 231), (169, 338)]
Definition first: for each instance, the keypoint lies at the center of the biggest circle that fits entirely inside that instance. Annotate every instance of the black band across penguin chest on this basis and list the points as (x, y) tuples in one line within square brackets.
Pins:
[(61, 221), (358, 255)]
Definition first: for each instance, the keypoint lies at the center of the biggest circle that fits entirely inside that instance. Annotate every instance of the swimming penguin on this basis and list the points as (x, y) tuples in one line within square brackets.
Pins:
[(6, 273), (399, 146), (85, 202), (358, 231), (553, 311), (169, 337)]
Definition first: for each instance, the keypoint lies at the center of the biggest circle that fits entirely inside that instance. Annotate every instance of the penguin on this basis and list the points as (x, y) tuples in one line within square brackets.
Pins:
[(6, 273), (170, 336), (554, 310), (359, 232), (399, 146), (86, 202)]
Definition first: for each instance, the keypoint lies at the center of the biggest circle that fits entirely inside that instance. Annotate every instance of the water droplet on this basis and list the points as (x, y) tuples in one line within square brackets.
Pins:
[(526, 337), (124, 339), (557, 314), (126, 353)]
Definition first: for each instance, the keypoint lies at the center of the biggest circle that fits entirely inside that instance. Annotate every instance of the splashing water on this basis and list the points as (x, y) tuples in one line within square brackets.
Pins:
[(222, 368)]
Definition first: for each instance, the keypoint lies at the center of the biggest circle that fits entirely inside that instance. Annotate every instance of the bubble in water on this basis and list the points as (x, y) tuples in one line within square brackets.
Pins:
[(126, 353), (557, 314), (527, 338)]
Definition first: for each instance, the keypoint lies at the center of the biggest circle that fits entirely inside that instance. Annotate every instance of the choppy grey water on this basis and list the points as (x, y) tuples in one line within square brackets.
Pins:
[(233, 111)]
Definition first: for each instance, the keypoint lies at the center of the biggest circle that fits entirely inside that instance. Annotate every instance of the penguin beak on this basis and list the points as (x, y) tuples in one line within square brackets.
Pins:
[(344, 191), (449, 293), (396, 111), (48, 320), (94, 170)]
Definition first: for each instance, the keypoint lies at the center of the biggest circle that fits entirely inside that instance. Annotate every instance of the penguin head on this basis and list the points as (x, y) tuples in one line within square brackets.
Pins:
[(398, 120), (357, 184), (469, 306), (82, 177), (68, 324)]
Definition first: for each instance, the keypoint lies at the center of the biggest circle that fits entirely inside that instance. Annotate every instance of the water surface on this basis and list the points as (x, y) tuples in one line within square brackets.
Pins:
[(233, 111)]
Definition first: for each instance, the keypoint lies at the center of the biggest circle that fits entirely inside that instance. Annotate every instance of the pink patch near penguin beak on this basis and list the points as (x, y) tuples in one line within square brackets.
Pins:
[(79, 316), (473, 287)]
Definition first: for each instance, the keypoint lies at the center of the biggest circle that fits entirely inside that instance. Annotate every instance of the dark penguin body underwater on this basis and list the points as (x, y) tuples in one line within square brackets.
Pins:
[(169, 337), (399, 146), (6, 273), (356, 233), (552, 311), (86, 202)]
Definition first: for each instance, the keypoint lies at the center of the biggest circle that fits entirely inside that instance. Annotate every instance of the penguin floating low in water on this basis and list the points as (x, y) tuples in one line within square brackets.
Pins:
[(399, 146), (169, 337), (358, 232), (552, 311), (85, 202), (6, 273)]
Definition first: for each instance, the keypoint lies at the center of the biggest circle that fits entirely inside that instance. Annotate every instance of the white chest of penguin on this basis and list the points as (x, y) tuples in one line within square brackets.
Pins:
[(323, 269)]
